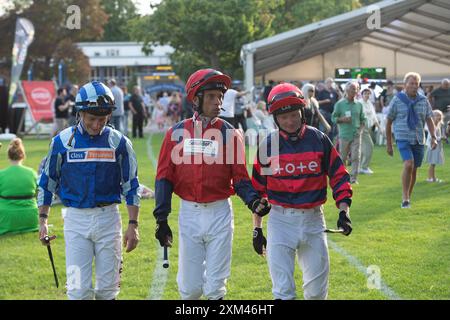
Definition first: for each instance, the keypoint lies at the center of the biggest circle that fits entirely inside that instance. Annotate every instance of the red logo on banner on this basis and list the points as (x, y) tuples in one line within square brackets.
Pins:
[(40, 96)]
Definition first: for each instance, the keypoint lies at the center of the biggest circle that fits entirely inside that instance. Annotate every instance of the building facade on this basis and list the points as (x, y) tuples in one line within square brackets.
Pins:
[(123, 60)]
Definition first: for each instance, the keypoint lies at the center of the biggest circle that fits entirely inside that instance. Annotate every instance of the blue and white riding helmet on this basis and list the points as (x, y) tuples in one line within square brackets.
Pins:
[(95, 98)]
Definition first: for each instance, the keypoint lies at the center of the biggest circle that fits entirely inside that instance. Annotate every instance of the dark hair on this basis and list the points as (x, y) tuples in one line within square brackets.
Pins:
[(60, 90), (364, 90)]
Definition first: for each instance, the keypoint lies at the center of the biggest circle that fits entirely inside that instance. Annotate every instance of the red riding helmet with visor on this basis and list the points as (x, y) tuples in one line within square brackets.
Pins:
[(284, 98), (206, 79)]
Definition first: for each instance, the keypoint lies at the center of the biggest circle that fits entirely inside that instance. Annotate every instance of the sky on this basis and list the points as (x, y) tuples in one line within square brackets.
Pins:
[(3, 4), (143, 6)]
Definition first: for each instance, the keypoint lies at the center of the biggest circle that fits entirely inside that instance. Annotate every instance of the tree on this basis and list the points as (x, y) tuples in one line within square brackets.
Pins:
[(205, 33), (294, 14), (76, 63), (119, 13), (49, 18), (208, 33)]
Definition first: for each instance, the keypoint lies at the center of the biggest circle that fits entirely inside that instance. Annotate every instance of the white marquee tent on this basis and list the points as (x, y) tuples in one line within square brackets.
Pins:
[(410, 33)]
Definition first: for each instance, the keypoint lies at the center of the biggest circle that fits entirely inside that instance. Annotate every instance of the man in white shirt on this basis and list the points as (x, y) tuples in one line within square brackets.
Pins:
[(228, 105)]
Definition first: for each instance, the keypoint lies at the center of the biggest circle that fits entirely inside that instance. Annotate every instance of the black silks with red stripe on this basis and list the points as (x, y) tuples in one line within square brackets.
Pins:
[(299, 173)]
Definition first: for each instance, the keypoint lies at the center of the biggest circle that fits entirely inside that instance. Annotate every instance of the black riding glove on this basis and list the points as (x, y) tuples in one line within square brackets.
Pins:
[(163, 233), (255, 203), (259, 241), (344, 222)]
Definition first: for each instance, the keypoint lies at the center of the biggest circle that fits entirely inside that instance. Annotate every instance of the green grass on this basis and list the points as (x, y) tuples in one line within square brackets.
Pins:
[(411, 247)]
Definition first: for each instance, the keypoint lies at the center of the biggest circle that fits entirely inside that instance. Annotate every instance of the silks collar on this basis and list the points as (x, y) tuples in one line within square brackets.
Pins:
[(300, 134), (198, 118)]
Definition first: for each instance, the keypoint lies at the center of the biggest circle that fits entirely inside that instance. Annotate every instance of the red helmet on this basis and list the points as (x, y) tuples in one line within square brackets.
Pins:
[(285, 97), (206, 79)]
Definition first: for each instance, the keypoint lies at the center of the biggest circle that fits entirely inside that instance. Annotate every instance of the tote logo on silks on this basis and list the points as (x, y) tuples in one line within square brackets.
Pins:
[(201, 146), (91, 155), (298, 168)]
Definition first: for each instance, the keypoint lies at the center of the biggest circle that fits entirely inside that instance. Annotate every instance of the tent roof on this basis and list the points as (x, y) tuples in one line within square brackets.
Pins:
[(419, 28)]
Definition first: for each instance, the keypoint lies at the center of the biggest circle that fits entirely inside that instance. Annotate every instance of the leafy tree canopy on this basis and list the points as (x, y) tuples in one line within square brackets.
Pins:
[(206, 33), (53, 39), (294, 14), (209, 33), (119, 13)]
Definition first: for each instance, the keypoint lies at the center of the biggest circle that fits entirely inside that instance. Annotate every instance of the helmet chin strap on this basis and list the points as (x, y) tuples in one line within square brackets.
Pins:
[(74, 128), (200, 104), (205, 120), (292, 134)]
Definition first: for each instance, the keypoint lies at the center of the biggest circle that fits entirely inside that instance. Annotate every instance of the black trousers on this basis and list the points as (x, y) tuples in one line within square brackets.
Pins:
[(240, 119), (138, 121), (229, 120)]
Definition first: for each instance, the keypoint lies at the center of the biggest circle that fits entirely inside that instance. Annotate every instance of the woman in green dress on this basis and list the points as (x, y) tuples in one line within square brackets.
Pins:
[(18, 207)]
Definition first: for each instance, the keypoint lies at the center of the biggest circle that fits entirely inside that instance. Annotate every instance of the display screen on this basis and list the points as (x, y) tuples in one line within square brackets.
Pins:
[(371, 74)]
